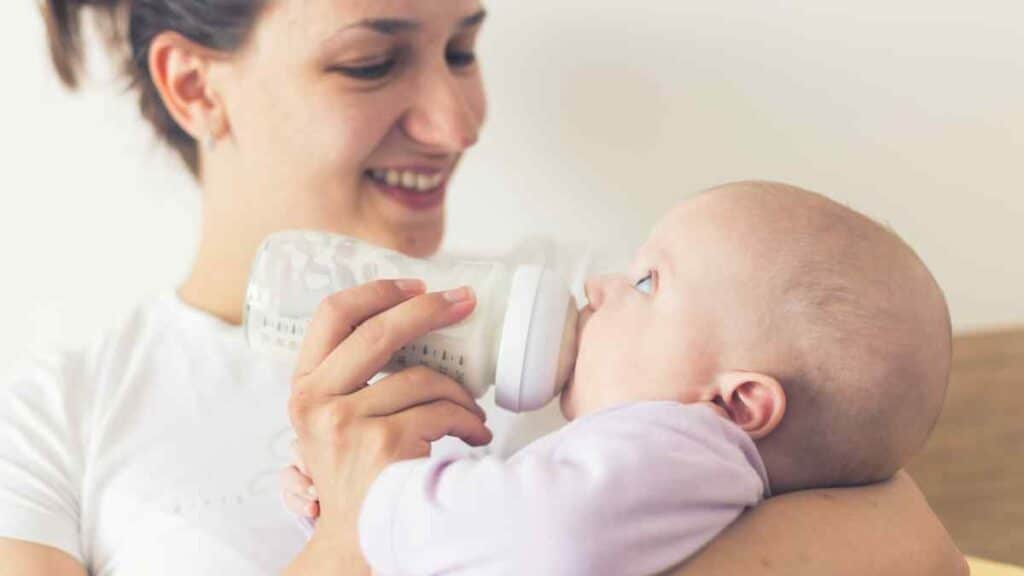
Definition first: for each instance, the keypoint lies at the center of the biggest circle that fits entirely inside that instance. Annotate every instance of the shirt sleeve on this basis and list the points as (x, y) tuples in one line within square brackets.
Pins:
[(629, 492), (41, 455)]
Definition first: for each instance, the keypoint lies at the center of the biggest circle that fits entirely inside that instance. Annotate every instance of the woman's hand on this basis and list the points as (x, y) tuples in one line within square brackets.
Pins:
[(348, 431)]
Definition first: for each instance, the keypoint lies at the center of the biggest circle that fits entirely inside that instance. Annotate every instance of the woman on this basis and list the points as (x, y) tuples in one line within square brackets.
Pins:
[(156, 451)]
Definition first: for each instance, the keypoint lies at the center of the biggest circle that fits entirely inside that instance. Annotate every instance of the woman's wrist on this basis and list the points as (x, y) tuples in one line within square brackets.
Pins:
[(333, 549)]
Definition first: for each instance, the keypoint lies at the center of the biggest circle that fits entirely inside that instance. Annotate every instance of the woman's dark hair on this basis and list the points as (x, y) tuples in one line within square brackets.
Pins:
[(221, 25)]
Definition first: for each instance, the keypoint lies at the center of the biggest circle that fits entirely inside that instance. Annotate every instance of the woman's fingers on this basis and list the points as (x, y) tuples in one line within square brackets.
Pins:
[(366, 350), (349, 432), (412, 387), (433, 421), (339, 314)]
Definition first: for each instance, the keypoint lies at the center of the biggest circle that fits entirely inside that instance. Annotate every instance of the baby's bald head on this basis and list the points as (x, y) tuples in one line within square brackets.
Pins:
[(842, 313)]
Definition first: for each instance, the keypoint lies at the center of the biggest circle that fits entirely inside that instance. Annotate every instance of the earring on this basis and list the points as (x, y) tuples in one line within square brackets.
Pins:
[(209, 141)]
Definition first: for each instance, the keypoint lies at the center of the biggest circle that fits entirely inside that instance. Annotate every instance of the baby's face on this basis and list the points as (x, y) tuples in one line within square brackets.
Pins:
[(649, 334)]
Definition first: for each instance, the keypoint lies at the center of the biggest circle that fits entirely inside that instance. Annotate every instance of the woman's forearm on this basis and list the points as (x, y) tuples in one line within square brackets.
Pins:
[(884, 529), (327, 553)]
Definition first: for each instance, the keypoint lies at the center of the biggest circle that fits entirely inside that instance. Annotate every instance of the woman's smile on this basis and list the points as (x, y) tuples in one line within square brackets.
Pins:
[(417, 188)]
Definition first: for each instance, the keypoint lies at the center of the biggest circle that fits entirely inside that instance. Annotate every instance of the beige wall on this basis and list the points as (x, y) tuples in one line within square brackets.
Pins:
[(603, 113)]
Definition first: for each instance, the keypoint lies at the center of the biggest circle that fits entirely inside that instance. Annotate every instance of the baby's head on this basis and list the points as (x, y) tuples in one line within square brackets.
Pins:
[(813, 328)]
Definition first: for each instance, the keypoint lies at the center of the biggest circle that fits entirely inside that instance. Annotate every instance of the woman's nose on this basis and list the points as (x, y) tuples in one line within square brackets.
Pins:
[(445, 115)]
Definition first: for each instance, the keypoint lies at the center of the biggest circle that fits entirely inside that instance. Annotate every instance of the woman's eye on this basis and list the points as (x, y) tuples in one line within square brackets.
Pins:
[(368, 72), (646, 284), (458, 59)]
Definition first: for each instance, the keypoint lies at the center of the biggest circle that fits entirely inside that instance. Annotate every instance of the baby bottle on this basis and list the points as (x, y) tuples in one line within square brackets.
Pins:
[(521, 337)]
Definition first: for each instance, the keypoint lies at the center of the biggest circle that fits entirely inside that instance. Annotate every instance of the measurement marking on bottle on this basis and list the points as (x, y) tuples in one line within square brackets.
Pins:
[(461, 360)]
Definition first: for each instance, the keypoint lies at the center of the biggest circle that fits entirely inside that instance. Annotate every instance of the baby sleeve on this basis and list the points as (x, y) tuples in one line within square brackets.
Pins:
[(42, 425), (461, 516), (631, 491)]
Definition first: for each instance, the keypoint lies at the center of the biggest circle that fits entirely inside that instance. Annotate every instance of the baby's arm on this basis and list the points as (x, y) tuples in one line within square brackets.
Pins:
[(631, 491)]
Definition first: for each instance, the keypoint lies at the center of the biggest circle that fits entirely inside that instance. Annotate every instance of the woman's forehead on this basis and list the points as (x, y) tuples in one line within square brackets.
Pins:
[(329, 14), (292, 29)]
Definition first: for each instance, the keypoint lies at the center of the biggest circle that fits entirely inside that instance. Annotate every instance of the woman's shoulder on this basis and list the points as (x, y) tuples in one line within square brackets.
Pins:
[(49, 397), (78, 369)]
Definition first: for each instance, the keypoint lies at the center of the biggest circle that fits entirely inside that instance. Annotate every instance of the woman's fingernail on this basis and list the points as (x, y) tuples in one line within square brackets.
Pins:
[(463, 294), (311, 492), (411, 286)]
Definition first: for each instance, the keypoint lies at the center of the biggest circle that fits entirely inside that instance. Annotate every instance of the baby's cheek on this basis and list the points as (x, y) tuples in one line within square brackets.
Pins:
[(585, 379), (567, 403), (604, 352)]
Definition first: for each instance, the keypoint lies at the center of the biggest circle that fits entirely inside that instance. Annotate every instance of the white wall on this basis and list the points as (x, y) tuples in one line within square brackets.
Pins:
[(603, 113)]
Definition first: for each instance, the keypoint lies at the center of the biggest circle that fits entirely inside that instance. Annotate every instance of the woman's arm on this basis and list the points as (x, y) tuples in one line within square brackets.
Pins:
[(19, 558), (884, 529)]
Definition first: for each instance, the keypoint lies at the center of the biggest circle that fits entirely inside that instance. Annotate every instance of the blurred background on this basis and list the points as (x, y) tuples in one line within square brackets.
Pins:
[(603, 114)]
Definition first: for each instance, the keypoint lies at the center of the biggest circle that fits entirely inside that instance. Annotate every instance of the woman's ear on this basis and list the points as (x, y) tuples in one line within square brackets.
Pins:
[(180, 70), (754, 402)]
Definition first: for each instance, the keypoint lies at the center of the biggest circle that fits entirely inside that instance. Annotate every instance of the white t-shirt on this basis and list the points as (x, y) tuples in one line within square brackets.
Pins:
[(158, 449)]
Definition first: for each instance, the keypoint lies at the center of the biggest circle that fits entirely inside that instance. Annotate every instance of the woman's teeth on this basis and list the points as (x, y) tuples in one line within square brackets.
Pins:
[(408, 180)]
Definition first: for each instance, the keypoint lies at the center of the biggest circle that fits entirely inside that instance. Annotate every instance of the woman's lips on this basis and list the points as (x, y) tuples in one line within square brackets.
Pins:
[(416, 189)]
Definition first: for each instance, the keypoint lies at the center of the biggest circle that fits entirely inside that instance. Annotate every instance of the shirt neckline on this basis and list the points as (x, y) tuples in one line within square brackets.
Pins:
[(172, 300)]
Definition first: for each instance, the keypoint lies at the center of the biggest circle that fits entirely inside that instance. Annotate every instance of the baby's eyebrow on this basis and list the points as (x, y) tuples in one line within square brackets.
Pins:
[(640, 254), (661, 259)]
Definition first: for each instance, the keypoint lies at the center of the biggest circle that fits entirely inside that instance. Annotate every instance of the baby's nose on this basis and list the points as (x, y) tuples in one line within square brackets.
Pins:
[(596, 289)]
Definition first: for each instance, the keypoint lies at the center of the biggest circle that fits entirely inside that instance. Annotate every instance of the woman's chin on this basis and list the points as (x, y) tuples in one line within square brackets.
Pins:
[(417, 233), (419, 241)]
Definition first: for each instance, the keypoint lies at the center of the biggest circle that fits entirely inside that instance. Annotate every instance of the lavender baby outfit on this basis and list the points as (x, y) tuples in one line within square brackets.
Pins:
[(634, 489)]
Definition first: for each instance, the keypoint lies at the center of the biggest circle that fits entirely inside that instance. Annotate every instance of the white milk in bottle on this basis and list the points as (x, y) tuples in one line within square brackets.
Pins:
[(521, 337)]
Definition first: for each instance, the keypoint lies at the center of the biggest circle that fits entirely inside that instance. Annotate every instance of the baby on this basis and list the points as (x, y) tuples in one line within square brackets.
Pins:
[(767, 340)]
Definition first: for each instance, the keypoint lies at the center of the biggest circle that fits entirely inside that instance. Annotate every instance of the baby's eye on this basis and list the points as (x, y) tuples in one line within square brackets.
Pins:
[(646, 284)]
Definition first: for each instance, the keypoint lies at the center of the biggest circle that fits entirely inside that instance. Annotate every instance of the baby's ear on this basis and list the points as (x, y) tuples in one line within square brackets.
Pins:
[(754, 402)]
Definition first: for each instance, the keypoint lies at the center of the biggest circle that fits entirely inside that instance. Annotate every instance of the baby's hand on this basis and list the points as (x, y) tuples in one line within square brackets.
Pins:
[(298, 490)]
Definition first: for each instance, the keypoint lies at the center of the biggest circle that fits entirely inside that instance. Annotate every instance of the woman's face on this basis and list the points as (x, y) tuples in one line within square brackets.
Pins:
[(351, 115)]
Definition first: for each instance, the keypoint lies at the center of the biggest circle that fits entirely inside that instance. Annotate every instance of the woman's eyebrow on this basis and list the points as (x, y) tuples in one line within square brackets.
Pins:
[(394, 26), (474, 20)]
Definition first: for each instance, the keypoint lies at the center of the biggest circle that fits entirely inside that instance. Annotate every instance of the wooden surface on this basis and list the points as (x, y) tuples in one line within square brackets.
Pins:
[(972, 469)]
